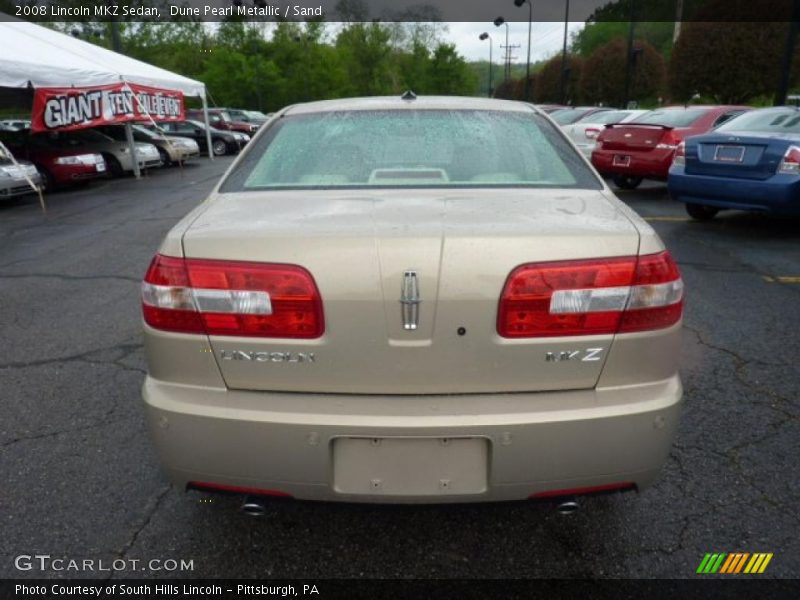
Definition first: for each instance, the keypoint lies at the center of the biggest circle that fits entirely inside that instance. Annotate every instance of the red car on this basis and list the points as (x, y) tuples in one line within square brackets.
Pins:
[(643, 148), (59, 164), (219, 118)]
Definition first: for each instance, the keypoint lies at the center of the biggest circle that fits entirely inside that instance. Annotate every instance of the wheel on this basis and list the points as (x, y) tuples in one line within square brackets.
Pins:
[(165, 161), (48, 182), (626, 182), (701, 212), (113, 166), (219, 147)]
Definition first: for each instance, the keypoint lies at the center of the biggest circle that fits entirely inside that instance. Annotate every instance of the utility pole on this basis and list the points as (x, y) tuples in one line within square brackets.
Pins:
[(629, 56), (786, 68), (508, 58)]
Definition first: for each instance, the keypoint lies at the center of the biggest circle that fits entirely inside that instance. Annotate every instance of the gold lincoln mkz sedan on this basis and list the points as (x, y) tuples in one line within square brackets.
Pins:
[(412, 300)]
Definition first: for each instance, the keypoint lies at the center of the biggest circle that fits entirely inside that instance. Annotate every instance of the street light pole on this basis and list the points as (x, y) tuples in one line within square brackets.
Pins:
[(484, 36), (564, 55), (519, 3)]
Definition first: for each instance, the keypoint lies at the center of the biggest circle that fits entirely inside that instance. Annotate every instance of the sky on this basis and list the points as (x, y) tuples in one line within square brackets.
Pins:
[(546, 39)]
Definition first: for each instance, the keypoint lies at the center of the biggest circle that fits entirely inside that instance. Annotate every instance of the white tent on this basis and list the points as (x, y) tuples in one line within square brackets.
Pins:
[(48, 58), (36, 56)]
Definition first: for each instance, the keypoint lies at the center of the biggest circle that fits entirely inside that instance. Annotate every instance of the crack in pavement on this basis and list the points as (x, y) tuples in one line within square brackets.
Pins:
[(126, 349), (151, 511), (733, 452), (100, 423), (64, 277), (745, 267)]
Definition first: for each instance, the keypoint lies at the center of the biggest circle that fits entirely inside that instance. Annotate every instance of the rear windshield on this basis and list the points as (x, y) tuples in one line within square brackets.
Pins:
[(678, 117), (410, 148), (569, 115), (766, 121), (605, 117)]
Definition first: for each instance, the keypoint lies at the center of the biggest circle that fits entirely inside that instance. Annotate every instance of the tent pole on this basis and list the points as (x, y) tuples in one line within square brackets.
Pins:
[(132, 148), (208, 127)]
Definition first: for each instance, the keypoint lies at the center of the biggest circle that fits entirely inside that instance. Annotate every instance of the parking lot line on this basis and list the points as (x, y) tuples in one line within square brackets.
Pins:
[(782, 279)]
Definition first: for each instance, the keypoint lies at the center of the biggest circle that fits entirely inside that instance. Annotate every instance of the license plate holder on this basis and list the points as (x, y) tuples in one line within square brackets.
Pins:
[(395, 466), (621, 160), (727, 153)]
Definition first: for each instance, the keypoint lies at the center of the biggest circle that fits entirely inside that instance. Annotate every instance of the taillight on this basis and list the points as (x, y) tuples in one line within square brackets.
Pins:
[(790, 164), (219, 297), (669, 141), (591, 133), (679, 158), (591, 297)]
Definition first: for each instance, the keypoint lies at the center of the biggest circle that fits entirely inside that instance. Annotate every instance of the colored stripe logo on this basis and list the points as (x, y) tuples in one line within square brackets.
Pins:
[(734, 563)]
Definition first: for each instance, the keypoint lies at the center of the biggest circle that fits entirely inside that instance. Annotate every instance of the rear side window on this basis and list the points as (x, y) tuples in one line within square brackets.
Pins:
[(671, 118), (568, 115), (410, 148), (784, 120)]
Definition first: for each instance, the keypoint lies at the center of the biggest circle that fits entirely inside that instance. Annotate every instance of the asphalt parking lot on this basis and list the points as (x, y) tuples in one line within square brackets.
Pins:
[(80, 479)]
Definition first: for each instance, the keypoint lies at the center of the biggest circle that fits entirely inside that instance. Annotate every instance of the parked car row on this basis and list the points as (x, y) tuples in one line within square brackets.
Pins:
[(57, 159), (222, 142), (712, 157)]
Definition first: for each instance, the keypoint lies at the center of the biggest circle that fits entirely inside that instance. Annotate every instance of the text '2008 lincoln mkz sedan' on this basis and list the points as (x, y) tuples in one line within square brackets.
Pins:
[(412, 300)]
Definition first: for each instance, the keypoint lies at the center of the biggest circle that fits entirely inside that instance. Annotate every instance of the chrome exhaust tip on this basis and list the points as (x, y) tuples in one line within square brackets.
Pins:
[(567, 507), (254, 506)]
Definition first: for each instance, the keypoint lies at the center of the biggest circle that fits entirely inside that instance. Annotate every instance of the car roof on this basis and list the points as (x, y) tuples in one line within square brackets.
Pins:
[(418, 103)]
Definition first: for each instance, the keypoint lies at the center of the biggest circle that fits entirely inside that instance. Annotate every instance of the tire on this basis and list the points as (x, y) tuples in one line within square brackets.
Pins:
[(48, 182), (626, 182), (219, 147), (700, 212), (165, 161), (114, 168)]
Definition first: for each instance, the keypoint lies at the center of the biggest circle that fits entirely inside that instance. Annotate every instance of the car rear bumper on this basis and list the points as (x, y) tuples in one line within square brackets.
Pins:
[(780, 194), (653, 164), (523, 444), (66, 174)]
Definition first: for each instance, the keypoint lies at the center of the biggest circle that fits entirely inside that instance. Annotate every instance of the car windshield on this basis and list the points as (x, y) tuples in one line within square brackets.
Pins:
[(675, 117), (410, 148), (145, 132), (255, 114), (766, 121), (90, 136), (604, 117), (568, 115)]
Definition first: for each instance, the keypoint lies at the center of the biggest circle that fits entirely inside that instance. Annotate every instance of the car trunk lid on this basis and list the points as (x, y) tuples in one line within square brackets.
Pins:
[(361, 246), (633, 137), (737, 156)]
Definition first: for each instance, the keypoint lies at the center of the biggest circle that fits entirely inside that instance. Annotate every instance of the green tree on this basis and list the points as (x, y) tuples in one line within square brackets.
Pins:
[(548, 81), (365, 52), (449, 73), (603, 76), (730, 63)]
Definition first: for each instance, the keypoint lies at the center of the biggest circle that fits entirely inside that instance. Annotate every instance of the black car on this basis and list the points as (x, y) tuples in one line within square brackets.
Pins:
[(222, 142)]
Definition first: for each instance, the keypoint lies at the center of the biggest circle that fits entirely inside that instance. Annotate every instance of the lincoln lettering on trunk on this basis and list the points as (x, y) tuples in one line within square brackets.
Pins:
[(275, 357)]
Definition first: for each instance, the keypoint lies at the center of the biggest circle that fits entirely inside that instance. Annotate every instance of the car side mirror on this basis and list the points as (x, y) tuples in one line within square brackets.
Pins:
[(198, 131)]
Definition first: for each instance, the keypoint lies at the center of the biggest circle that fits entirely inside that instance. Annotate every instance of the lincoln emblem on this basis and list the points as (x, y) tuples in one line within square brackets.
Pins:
[(409, 299)]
